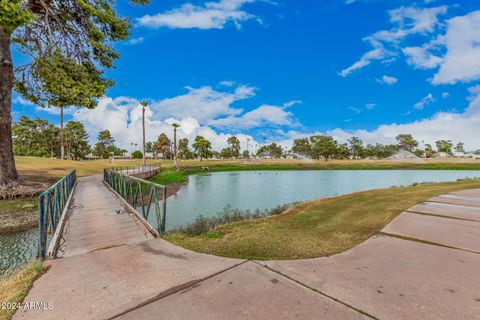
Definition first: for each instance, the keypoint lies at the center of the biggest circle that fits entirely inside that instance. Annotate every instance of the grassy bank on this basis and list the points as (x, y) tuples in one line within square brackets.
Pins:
[(47, 167), (317, 228), (42, 168), (14, 288), (17, 215)]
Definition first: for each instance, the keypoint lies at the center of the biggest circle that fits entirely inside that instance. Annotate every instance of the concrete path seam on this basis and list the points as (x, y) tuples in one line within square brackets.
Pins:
[(317, 291), (440, 216), (173, 290), (451, 204), (406, 238)]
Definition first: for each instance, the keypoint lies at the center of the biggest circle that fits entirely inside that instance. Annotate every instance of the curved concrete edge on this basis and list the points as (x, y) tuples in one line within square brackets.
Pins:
[(105, 283)]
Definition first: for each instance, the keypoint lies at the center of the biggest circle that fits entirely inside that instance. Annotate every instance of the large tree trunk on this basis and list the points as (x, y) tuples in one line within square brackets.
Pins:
[(8, 172), (62, 136)]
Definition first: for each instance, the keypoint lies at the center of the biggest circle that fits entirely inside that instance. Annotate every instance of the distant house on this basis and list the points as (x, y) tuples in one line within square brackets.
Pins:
[(90, 156), (403, 154), (151, 155), (442, 155)]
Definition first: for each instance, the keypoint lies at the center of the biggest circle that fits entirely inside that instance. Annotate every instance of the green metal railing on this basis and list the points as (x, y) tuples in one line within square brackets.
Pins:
[(128, 170), (51, 203), (140, 194)]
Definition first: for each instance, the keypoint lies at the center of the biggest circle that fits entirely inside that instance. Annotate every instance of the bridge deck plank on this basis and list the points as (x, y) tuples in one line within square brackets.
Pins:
[(98, 220)]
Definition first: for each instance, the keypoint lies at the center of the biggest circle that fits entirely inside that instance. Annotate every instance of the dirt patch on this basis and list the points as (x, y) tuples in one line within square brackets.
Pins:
[(173, 188), (30, 186), (18, 215), (18, 221), (147, 248)]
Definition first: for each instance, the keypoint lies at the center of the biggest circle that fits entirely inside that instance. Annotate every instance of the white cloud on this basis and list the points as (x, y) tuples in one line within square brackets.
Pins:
[(443, 125), (445, 95), (203, 104), (354, 109), (461, 62), (210, 15), (407, 21), (421, 57), (455, 51), (453, 126), (371, 106), (227, 83), (21, 100), (388, 80), (122, 117), (198, 112), (425, 101), (263, 116), (134, 41)]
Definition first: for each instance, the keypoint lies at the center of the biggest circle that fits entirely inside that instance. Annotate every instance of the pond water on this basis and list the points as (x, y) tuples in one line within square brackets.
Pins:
[(210, 193), (16, 249)]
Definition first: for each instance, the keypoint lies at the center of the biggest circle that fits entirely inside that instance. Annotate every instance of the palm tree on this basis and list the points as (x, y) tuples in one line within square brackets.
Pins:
[(202, 147), (144, 103), (175, 126)]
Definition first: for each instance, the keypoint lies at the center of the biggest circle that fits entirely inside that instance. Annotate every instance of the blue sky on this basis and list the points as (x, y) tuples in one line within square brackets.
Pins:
[(285, 69)]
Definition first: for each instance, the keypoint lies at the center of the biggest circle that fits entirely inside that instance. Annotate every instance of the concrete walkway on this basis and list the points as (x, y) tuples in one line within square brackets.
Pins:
[(424, 265)]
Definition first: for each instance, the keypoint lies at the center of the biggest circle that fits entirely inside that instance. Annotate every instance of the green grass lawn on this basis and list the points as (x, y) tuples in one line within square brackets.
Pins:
[(317, 228)]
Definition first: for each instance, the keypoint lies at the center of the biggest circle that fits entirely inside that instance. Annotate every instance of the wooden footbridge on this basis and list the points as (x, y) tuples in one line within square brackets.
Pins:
[(91, 213)]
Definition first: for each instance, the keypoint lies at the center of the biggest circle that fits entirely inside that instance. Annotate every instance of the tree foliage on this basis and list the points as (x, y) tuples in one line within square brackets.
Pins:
[(444, 146), (272, 150), (137, 154), (105, 146), (35, 137), (302, 147), (76, 140), (356, 147), (234, 146), (202, 148), (163, 146), (406, 142), (183, 150), (68, 45), (323, 146), (39, 138)]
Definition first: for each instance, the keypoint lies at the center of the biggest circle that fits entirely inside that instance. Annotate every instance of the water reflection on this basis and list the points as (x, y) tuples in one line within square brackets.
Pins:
[(208, 194), (16, 249)]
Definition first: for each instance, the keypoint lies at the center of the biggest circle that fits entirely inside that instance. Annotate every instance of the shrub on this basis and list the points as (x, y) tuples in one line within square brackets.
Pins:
[(203, 225), (137, 154)]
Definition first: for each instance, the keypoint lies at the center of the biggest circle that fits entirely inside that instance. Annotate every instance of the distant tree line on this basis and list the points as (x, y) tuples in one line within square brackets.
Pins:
[(39, 138), (326, 147)]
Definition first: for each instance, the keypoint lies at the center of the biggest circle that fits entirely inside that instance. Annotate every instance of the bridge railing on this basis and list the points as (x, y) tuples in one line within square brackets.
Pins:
[(128, 170), (51, 205), (144, 197)]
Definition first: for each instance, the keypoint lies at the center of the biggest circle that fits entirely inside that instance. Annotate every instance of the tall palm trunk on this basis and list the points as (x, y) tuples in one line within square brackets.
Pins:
[(143, 126), (175, 146), (62, 136), (8, 172)]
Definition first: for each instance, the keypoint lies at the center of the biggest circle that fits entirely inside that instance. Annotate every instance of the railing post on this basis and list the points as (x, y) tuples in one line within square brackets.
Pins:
[(41, 241), (164, 211), (51, 203), (129, 188)]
